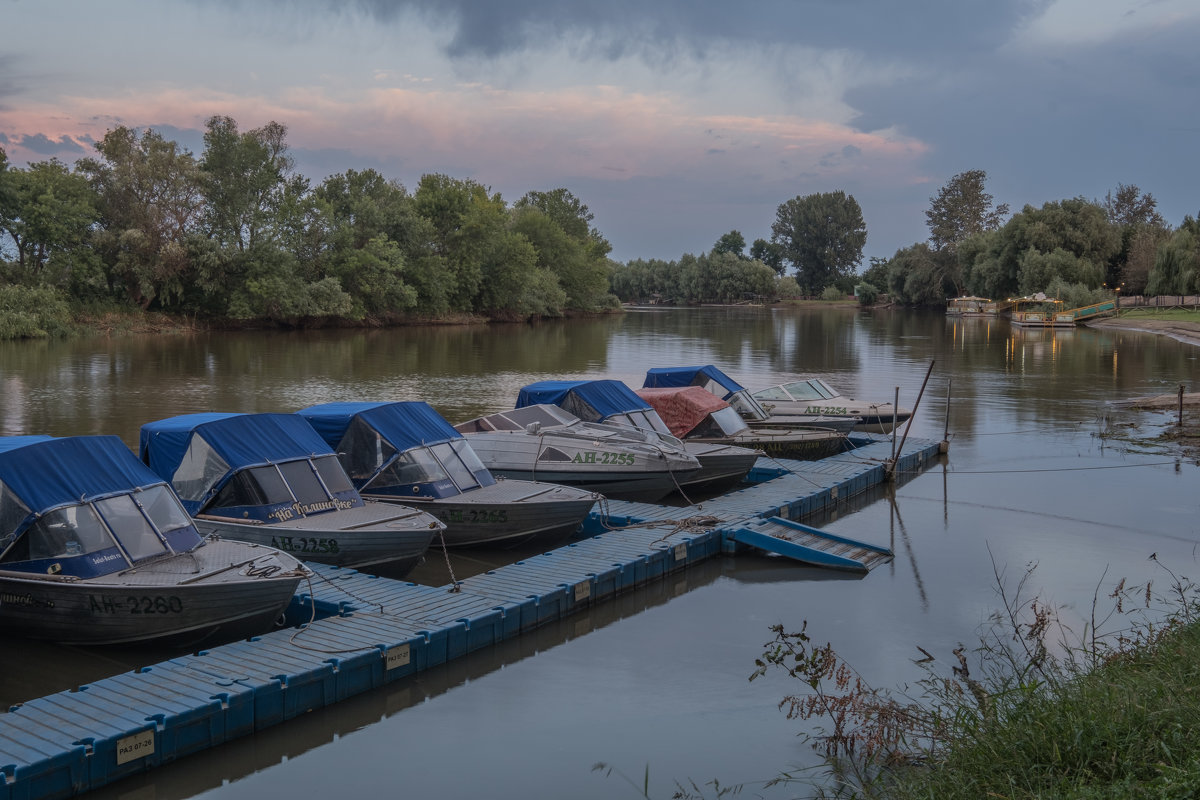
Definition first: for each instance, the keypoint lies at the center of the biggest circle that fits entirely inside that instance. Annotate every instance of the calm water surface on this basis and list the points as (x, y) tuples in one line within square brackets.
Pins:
[(658, 677)]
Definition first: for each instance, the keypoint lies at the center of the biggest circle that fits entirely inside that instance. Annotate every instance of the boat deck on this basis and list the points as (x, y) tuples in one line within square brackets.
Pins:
[(355, 632)]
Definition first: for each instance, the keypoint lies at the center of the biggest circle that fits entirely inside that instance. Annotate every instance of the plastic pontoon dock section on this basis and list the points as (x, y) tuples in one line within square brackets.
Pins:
[(356, 632)]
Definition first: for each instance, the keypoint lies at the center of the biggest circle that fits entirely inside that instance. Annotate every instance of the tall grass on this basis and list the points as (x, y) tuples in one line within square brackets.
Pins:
[(1038, 709)]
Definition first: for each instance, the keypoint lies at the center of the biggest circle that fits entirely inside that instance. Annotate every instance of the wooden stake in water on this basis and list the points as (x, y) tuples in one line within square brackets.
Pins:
[(1179, 423)]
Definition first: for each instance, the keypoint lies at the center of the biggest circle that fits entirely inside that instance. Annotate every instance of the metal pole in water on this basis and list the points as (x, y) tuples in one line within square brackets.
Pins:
[(895, 405), (916, 405), (1179, 423), (944, 447)]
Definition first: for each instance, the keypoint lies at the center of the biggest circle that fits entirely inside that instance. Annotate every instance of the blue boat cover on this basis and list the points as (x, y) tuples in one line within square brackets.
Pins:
[(404, 425), (668, 377), (47, 472), (242, 440), (591, 401)]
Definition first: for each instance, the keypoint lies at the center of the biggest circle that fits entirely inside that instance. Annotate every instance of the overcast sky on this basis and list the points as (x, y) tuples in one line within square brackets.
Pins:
[(675, 121)]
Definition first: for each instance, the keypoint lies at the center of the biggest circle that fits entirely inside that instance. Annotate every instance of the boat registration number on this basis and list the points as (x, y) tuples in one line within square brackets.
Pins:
[(604, 457), (136, 604), (304, 544), (825, 410), (492, 515)]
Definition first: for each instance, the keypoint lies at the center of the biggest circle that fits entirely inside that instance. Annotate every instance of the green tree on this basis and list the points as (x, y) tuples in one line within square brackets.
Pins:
[(248, 181), (48, 214), (822, 236), (1142, 230), (1128, 206), (360, 209), (467, 224), (962, 208), (582, 274), (150, 204), (732, 242), (570, 214), (920, 275), (769, 253), (1177, 266), (877, 274), (993, 261)]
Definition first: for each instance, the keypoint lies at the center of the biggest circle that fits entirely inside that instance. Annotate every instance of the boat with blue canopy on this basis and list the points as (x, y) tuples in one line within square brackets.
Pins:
[(546, 443), (722, 466), (712, 379), (96, 549), (269, 478), (406, 452)]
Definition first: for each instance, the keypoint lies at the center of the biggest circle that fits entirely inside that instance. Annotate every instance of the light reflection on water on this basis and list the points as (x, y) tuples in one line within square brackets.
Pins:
[(658, 677)]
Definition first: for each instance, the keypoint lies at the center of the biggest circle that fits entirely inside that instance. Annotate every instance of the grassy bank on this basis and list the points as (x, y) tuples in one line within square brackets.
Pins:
[(1163, 314), (1128, 729), (1038, 709)]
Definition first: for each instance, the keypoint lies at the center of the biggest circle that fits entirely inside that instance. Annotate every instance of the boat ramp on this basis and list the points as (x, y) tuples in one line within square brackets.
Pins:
[(351, 632)]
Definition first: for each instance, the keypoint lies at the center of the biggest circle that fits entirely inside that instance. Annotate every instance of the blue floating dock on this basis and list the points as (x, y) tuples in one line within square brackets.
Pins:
[(354, 632)]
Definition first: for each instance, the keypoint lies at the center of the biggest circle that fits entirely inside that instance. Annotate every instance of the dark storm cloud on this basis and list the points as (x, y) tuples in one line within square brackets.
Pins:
[(938, 28), (1051, 127)]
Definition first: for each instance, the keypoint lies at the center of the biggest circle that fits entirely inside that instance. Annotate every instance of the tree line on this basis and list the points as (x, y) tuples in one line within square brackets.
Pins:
[(1077, 250), (238, 234)]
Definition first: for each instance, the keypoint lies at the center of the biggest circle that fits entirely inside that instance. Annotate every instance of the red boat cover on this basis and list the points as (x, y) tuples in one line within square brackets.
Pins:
[(682, 408)]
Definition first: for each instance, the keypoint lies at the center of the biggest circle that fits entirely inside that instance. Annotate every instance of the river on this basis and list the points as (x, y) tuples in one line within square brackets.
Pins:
[(655, 682)]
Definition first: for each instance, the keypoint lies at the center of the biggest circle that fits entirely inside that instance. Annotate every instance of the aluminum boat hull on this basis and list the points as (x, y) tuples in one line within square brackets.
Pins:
[(508, 512), (364, 536), (183, 599)]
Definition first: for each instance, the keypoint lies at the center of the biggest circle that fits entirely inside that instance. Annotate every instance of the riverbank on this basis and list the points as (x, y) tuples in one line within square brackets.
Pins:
[(1183, 330)]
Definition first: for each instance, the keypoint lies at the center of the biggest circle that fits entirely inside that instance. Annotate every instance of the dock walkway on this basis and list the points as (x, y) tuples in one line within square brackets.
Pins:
[(355, 632)]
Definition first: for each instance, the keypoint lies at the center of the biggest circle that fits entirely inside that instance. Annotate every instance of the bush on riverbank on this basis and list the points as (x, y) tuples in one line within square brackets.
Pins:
[(33, 312), (1035, 711)]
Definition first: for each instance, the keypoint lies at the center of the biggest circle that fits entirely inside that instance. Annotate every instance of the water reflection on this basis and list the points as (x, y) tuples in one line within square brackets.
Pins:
[(659, 676)]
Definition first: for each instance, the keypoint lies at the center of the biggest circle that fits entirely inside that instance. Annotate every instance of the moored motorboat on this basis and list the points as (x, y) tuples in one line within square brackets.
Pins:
[(95, 549), (405, 452), (270, 479), (547, 443), (698, 415), (755, 415), (722, 466), (814, 395)]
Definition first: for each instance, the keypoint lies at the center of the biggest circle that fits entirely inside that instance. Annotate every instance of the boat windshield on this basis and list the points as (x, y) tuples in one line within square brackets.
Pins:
[(648, 421), (744, 404), (463, 464), (721, 422), (804, 391), (134, 531), (145, 524), (313, 484), (70, 531), (452, 461)]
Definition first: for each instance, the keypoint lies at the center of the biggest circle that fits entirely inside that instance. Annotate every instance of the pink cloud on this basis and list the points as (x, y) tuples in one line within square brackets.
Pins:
[(499, 136)]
